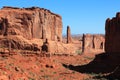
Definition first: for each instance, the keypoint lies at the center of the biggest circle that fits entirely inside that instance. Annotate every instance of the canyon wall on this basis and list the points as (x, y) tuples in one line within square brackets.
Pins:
[(112, 37), (28, 28), (31, 23), (93, 42)]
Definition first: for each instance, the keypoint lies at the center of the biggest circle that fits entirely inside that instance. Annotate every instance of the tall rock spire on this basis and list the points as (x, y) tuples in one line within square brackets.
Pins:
[(69, 38)]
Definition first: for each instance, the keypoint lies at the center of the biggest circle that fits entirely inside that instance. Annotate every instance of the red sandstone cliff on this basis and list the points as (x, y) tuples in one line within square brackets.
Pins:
[(93, 42), (30, 23), (27, 28)]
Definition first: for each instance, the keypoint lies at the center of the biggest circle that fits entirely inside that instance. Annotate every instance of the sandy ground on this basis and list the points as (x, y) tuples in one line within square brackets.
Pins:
[(19, 67)]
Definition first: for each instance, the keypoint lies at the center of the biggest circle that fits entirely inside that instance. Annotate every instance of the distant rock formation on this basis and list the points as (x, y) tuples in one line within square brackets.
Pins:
[(93, 42), (112, 37), (69, 37), (30, 23), (28, 28), (87, 41)]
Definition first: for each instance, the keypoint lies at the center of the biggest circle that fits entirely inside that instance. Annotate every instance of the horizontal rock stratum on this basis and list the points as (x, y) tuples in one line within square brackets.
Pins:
[(30, 23)]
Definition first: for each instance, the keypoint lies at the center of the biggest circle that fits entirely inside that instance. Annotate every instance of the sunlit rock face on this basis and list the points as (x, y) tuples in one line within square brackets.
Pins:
[(93, 42), (30, 23), (27, 28), (69, 37)]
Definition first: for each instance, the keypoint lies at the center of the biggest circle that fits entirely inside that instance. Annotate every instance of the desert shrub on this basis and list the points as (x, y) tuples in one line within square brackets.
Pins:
[(32, 74), (20, 79), (78, 52), (31, 78), (45, 76), (41, 70), (89, 58), (54, 72)]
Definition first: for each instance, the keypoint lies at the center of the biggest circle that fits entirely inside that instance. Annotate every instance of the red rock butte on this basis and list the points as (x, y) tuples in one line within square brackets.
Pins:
[(112, 37), (31, 23), (28, 28)]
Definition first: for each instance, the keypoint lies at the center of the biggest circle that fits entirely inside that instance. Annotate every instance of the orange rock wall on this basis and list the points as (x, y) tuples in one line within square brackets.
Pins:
[(31, 23), (93, 42)]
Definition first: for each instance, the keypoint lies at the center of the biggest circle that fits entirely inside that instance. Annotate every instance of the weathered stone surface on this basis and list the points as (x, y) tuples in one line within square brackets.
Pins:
[(112, 36), (62, 48), (18, 43), (45, 46), (30, 23), (99, 42), (69, 37), (87, 41), (91, 42), (27, 28)]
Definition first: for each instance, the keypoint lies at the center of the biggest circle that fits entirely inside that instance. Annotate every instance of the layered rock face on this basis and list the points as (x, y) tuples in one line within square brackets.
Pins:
[(27, 28), (30, 23), (69, 37), (91, 42), (112, 37), (87, 41)]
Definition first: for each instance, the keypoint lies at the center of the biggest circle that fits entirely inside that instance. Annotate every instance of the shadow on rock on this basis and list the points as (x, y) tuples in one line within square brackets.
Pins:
[(105, 63)]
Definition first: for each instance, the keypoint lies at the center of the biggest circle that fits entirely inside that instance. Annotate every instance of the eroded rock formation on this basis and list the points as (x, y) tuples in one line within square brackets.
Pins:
[(99, 41), (69, 37), (27, 28), (93, 42), (112, 37), (30, 23)]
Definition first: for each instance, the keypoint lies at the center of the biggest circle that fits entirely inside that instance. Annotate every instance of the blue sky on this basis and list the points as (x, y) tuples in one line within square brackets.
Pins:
[(83, 16)]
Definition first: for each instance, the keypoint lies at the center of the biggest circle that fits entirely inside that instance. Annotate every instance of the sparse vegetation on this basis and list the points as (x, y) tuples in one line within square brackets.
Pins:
[(45, 76), (54, 72), (21, 79), (32, 74), (78, 52), (43, 64), (89, 58), (31, 78), (41, 70)]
